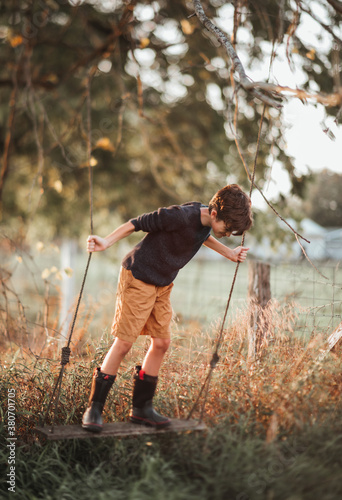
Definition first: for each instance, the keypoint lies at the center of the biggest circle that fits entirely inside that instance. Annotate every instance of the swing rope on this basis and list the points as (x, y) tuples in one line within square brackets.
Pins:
[(65, 351), (215, 356)]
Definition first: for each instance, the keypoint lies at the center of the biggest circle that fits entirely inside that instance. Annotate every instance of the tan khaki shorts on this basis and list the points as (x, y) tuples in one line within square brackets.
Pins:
[(141, 309)]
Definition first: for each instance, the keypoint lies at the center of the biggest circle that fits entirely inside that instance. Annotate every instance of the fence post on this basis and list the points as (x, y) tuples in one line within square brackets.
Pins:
[(259, 295), (332, 342)]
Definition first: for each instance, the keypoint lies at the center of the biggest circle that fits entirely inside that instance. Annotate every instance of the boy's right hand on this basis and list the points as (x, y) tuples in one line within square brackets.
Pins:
[(96, 243)]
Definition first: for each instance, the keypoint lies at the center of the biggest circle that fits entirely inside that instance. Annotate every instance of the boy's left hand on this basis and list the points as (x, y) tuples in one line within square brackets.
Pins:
[(239, 254)]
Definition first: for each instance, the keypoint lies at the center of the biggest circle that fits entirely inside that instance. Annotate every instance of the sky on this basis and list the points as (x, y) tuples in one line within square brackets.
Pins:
[(306, 142)]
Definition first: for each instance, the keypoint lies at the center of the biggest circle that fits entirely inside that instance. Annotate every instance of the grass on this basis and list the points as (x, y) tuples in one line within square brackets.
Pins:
[(227, 463), (274, 428)]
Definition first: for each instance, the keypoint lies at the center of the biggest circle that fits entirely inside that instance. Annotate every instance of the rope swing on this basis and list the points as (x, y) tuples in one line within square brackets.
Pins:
[(266, 96), (65, 352)]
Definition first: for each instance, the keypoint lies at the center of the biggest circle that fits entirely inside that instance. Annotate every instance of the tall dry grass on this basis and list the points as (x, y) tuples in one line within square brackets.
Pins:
[(284, 388), (274, 421)]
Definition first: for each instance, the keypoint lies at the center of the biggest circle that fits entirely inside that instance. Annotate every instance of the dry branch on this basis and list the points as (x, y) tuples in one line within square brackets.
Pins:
[(329, 100), (324, 26), (244, 80), (265, 92)]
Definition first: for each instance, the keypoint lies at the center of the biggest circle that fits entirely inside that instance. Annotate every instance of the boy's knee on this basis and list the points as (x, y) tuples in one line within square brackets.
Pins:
[(161, 344), (122, 346)]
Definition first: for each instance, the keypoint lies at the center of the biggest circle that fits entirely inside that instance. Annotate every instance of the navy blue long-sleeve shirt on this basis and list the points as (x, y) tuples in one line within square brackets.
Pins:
[(175, 234)]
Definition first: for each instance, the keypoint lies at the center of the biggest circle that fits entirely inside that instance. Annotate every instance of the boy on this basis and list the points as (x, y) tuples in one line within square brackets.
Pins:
[(174, 236)]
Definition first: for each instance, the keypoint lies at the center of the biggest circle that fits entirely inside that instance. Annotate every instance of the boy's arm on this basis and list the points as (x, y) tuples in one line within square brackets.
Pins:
[(239, 254), (98, 244)]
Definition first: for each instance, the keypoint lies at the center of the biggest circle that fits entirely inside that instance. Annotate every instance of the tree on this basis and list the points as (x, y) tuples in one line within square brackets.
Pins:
[(323, 202), (167, 105)]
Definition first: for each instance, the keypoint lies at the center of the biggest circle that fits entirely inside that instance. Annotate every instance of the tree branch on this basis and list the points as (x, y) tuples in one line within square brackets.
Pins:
[(324, 26), (329, 100), (117, 32), (336, 5), (83, 61), (266, 92), (244, 80), (9, 134)]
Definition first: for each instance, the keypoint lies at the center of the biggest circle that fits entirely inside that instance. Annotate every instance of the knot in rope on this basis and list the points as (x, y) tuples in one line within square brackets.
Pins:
[(65, 355)]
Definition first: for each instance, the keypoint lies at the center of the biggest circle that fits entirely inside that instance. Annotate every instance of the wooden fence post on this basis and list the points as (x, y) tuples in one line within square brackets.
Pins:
[(259, 295), (332, 342)]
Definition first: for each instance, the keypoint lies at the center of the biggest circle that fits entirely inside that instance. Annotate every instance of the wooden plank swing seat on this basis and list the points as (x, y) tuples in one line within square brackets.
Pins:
[(116, 429)]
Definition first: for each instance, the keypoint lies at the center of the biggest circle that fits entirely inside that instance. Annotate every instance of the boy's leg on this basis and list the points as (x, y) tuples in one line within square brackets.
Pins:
[(131, 313), (103, 379), (155, 356), (114, 356), (146, 377)]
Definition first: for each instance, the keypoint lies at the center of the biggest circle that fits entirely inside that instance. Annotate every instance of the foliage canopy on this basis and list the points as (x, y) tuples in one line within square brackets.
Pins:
[(165, 105)]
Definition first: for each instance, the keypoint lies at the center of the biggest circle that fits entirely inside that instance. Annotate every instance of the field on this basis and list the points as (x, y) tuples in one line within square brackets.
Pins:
[(274, 426)]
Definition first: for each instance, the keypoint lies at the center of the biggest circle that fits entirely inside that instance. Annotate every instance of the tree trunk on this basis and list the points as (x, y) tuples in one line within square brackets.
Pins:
[(259, 295)]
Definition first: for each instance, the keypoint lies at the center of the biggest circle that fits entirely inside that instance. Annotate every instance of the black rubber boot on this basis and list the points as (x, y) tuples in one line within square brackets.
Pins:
[(92, 418), (144, 387)]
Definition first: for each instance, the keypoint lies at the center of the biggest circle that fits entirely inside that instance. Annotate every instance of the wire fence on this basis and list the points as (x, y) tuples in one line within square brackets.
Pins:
[(202, 289), (319, 298), (32, 294)]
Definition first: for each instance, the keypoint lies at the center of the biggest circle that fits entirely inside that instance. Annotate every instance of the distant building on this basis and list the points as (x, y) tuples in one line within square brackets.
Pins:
[(316, 234), (333, 244), (325, 244)]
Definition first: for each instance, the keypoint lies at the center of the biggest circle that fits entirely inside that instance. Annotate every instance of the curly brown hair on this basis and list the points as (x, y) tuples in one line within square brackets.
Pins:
[(234, 207)]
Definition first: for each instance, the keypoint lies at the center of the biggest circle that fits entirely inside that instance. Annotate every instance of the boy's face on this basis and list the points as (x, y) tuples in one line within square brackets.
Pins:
[(218, 226)]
